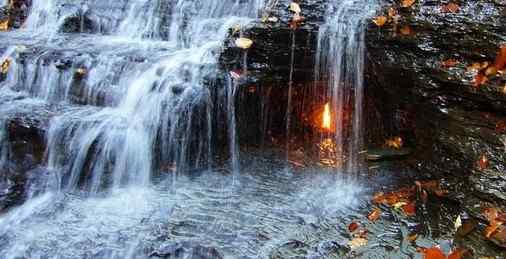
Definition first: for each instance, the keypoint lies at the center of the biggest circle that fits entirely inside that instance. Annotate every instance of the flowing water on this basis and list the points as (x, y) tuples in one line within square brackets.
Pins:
[(128, 112), (340, 61)]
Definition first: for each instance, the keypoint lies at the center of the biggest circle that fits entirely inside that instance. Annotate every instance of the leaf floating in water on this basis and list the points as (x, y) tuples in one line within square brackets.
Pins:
[(450, 8), (236, 74), (380, 20), (356, 243), (243, 43), (392, 12), (353, 226), (5, 66), (407, 3), (295, 7), (374, 215), (491, 71)]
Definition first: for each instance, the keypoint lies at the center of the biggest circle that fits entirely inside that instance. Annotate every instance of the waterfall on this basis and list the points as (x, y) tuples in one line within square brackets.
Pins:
[(126, 118), (340, 61)]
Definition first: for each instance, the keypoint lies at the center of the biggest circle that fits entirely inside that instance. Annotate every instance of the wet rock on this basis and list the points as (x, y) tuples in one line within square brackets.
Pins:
[(186, 250), (449, 121)]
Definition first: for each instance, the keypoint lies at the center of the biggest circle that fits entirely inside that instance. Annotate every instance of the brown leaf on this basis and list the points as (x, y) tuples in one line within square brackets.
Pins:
[(492, 228), (500, 127), (467, 227), (499, 237), (392, 12), (409, 209), (491, 71), (380, 20), (500, 60), (449, 63), (357, 243), (4, 25), (479, 79), (353, 226), (4, 68), (407, 3), (406, 30), (483, 162), (450, 8), (412, 238), (490, 214), (374, 215)]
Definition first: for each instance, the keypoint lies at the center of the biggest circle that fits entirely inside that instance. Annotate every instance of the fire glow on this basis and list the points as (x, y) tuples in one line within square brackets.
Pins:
[(326, 121)]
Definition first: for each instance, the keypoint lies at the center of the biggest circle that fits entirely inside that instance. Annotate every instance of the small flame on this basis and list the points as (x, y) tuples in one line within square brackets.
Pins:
[(326, 123)]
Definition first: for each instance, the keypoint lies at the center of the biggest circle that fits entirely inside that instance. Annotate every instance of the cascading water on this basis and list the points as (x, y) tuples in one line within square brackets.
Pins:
[(340, 61), (125, 97)]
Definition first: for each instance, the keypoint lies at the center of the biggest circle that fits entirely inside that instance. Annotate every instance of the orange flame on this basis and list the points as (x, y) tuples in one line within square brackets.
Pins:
[(326, 123)]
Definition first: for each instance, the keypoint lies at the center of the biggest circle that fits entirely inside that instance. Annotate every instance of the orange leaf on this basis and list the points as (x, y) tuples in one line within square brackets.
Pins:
[(409, 209), (406, 30), (483, 162), (479, 79), (490, 214), (392, 12), (353, 226), (434, 253), (374, 215), (450, 8), (380, 20), (408, 3), (492, 228), (449, 63), (500, 60)]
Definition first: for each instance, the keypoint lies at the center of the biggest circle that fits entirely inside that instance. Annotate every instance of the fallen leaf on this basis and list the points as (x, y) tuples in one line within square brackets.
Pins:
[(236, 74), (500, 127), (409, 209), (353, 226), (395, 143), (467, 227), (399, 205), (499, 237), (491, 71), (490, 214), (450, 8), (392, 12), (297, 18), (500, 60), (357, 243), (458, 223), (483, 162), (295, 7), (433, 253), (412, 238), (243, 43), (449, 63), (504, 89), (380, 20), (406, 30), (479, 79), (374, 215), (492, 228), (5, 66), (407, 3), (4, 25), (473, 67)]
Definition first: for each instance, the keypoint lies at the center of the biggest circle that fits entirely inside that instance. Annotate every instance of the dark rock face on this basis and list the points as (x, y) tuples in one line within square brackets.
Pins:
[(452, 122)]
